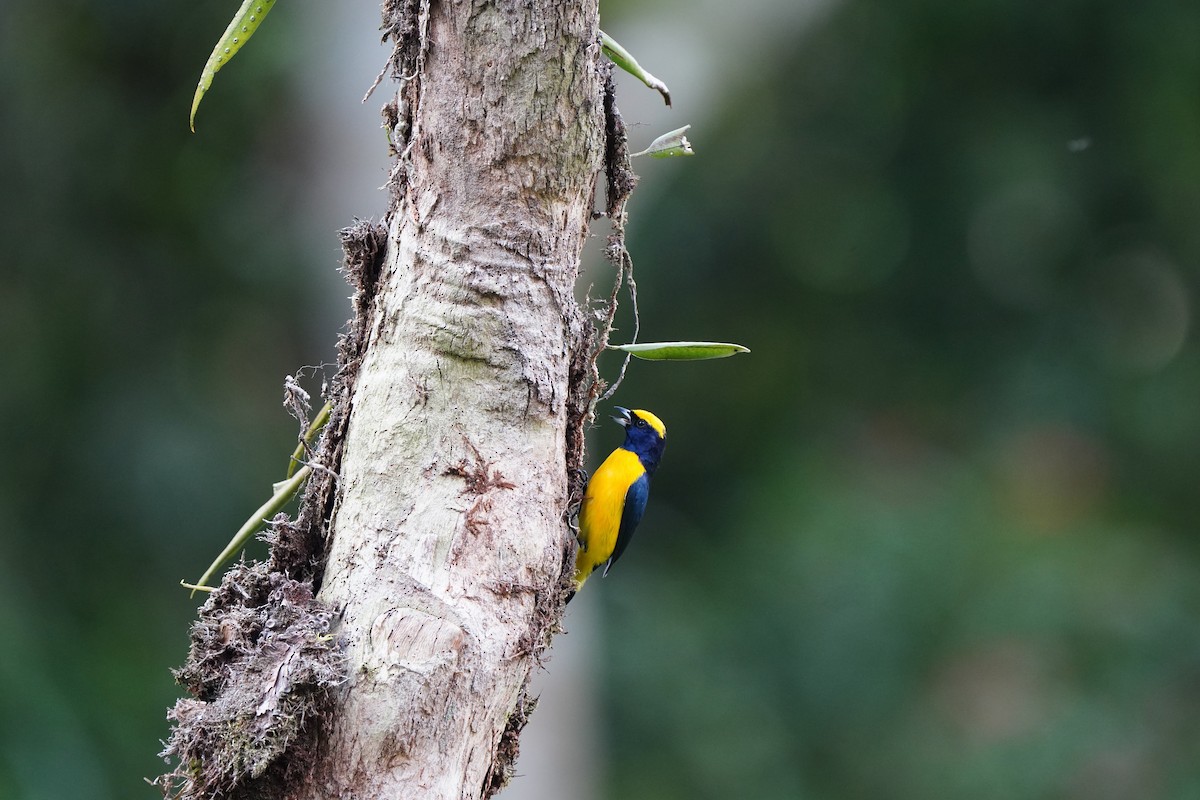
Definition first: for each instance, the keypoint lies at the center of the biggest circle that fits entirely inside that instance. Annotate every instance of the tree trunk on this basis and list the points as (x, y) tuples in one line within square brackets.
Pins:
[(447, 544)]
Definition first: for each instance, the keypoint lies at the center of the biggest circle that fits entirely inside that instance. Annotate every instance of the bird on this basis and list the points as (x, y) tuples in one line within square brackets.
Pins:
[(615, 497)]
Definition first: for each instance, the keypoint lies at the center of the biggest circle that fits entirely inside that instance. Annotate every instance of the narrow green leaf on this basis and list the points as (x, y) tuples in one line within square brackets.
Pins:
[(623, 59), (243, 26), (283, 493), (680, 351)]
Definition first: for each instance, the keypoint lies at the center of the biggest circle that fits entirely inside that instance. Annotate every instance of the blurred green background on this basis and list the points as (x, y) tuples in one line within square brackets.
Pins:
[(935, 538)]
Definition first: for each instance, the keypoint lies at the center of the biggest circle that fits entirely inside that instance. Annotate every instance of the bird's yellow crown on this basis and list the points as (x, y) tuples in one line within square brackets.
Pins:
[(654, 422)]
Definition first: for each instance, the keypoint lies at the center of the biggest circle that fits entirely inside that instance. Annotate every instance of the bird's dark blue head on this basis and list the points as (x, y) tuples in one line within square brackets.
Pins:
[(645, 435)]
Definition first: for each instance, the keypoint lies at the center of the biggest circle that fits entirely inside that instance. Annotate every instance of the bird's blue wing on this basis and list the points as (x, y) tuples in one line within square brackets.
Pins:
[(635, 505)]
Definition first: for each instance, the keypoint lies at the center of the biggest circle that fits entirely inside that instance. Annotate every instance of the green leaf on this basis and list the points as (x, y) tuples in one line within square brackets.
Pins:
[(672, 143), (681, 351), (243, 26), (623, 59)]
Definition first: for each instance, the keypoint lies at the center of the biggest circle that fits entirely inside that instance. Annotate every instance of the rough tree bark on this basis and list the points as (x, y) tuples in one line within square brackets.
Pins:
[(385, 647), (447, 546)]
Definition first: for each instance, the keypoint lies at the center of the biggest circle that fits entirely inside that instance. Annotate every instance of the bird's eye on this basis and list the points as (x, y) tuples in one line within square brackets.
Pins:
[(641, 423)]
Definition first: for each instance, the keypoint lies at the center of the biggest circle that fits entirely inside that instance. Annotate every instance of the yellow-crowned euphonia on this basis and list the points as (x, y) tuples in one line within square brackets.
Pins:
[(616, 495)]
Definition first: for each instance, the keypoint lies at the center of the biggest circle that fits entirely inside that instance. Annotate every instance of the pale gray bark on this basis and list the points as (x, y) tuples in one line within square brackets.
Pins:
[(447, 544)]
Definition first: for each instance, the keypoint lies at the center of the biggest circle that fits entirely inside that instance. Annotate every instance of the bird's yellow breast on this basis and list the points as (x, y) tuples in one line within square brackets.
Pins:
[(600, 512)]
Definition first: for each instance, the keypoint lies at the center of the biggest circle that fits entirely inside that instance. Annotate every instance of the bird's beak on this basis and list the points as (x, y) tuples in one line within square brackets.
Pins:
[(624, 419)]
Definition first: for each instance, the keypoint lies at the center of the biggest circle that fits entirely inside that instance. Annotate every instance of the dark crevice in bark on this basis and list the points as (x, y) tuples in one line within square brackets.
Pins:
[(586, 383), (618, 171), (507, 751)]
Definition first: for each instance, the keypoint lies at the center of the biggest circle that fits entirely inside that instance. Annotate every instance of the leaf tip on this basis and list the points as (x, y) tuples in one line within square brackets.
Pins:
[(195, 105)]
